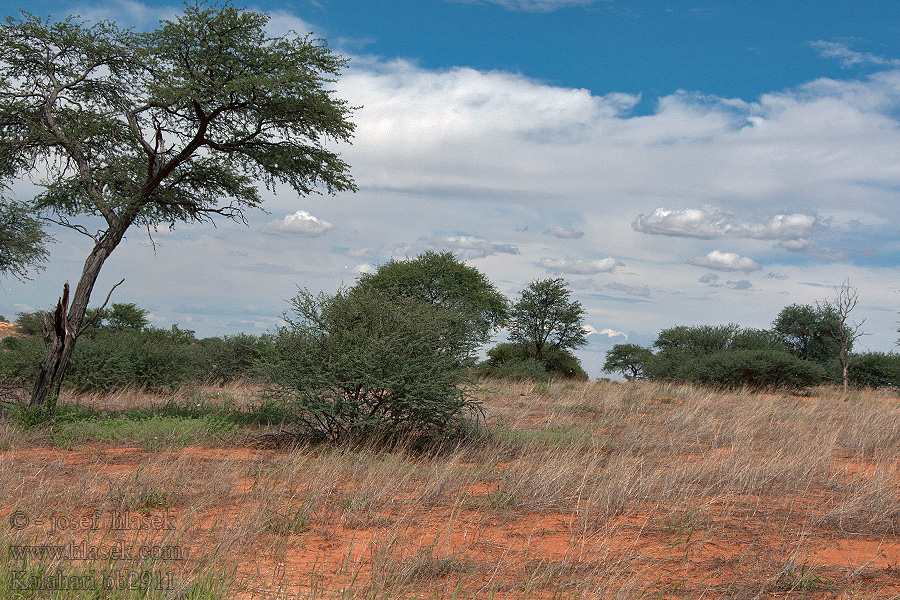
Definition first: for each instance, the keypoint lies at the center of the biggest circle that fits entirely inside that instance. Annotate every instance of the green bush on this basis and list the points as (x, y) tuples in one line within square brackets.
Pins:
[(630, 360), (875, 369), (517, 369), (757, 369), (365, 362), (155, 359), (229, 358), (30, 323), (21, 359), (518, 361)]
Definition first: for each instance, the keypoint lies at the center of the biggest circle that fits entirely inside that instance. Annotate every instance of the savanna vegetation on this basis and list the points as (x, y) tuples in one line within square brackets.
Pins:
[(567, 489), (807, 345), (362, 450)]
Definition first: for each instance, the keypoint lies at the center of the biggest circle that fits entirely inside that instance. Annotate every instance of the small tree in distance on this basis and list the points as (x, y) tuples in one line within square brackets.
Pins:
[(545, 319), (628, 359), (177, 124)]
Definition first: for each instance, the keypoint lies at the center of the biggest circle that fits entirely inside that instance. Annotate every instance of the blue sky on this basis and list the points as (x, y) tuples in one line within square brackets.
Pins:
[(677, 162)]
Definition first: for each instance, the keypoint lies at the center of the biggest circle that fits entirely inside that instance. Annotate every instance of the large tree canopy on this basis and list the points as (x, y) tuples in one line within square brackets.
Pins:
[(442, 280), (176, 124)]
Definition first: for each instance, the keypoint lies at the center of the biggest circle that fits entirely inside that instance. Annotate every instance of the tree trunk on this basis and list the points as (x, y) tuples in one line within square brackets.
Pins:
[(56, 334), (67, 321), (843, 359)]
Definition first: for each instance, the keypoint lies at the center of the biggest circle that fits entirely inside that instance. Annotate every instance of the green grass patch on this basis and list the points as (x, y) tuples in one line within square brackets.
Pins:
[(162, 426), (153, 433), (556, 437)]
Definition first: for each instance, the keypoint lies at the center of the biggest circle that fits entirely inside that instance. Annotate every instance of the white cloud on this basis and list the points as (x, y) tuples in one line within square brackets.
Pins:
[(579, 266), (468, 247), (805, 246), (301, 223), (590, 330), (564, 233), (725, 261), (817, 149), (282, 23), (711, 222), (848, 58), (643, 291), (366, 268), (362, 253)]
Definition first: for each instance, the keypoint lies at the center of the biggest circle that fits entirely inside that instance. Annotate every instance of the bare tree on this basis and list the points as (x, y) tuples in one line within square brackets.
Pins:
[(842, 329)]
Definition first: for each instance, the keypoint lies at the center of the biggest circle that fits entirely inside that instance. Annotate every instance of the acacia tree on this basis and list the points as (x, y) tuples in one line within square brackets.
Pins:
[(176, 124), (545, 319), (628, 359)]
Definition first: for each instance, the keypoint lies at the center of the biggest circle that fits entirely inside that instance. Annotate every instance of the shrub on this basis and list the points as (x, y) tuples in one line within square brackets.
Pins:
[(518, 361), (757, 369), (229, 358), (154, 359), (365, 362), (30, 323), (20, 359), (875, 369), (517, 369)]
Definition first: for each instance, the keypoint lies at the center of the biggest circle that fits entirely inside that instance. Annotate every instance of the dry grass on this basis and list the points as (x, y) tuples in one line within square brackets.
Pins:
[(576, 490)]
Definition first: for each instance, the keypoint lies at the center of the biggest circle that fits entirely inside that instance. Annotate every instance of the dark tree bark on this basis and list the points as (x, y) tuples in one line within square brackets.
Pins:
[(62, 333)]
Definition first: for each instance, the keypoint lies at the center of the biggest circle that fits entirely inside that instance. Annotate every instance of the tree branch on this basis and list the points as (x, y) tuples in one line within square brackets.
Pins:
[(99, 310)]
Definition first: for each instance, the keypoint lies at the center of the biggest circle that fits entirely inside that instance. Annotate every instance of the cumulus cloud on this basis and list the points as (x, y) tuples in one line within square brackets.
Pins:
[(725, 261), (590, 330), (578, 266), (301, 223), (468, 246), (712, 280), (128, 13), (711, 222), (282, 23), (564, 233), (849, 58), (805, 246), (421, 115)]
